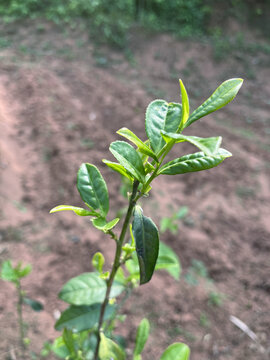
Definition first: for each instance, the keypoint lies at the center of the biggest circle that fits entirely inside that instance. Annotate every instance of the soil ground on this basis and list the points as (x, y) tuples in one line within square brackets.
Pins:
[(61, 101)]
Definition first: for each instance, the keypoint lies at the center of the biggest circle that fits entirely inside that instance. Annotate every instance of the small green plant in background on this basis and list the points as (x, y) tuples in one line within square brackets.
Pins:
[(171, 223), (88, 324), (14, 274)]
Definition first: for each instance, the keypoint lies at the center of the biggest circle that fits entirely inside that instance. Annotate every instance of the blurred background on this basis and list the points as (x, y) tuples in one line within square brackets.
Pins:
[(71, 74)]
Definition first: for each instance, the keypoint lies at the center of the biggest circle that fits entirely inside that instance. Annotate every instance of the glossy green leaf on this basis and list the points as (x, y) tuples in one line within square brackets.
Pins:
[(225, 93), (142, 336), (194, 162), (102, 224), (98, 261), (128, 134), (146, 237), (176, 351), (87, 289), (209, 146), (92, 188), (78, 211), (83, 317), (118, 168), (185, 105), (34, 304), (110, 350), (129, 159), (169, 261), (161, 115)]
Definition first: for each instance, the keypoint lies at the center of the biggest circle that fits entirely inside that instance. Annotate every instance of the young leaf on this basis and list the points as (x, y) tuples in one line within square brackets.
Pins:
[(8, 273), (194, 162), (69, 341), (142, 336), (98, 261), (176, 351), (129, 159), (225, 93), (102, 224), (168, 260), (209, 145), (83, 317), (87, 289), (119, 168), (92, 188), (161, 115), (146, 237), (185, 105), (22, 272), (128, 134), (78, 211), (109, 350), (34, 304)]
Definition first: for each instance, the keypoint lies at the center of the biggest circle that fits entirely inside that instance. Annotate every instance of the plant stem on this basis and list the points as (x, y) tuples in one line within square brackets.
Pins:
[(20, 316), (116, 262)]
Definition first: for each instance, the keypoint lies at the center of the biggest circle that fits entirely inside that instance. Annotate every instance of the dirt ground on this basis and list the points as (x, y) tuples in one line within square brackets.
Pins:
[(61, 102)]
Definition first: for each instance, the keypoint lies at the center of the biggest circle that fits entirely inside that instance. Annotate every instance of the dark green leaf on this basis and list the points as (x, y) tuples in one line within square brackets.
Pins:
[(168, 260), (119, 168), (109, 350), (143, 148), (129, 159), (82, 318), (142, 336), (209, 146), (161, 115), (78, 211), (146, 237), (193, 162), (176, 351), (92, 188), (87, 289), (225, 93), (34, 304)]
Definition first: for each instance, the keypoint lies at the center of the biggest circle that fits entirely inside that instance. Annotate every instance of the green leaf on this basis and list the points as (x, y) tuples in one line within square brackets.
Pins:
[(22, 272), (59, 348), (209, 146), (143, 148), (176, 351), (193, 162), (225, 93), (109, 350), (34, 304), (118, 168), (98, 261), (169, 261), (185, 105), (8, 273), (69, 341), (142, 336), (92, 188), (78, 211), (102, 224), (129, 159), (83, 317), (161, 115), (87, 289), (146, 237)]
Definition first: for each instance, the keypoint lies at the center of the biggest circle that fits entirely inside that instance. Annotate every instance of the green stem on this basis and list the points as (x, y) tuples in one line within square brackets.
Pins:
[(116, 263), (20, 316)]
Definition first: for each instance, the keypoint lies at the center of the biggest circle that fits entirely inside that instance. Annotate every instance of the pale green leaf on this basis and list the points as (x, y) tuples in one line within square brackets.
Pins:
[(168, 260), (142, 336), (78, 211), (98, 261), (143, 148), (225, 93), (110, 350), (209, 146), (185, 105), (176, 351), (118, 168), (102, 224)]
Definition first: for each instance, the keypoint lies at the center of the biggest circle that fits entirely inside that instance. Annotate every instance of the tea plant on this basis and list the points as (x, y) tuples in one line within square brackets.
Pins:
[(14, 274), (88, 323)]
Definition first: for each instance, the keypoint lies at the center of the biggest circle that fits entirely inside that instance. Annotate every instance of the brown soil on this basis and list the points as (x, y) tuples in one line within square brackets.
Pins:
[(61, 101)]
